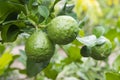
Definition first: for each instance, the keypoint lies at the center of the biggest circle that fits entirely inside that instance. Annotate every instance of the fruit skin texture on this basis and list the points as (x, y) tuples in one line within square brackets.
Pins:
[(85, 51), (101, 52), (63, 29), (38, 47)]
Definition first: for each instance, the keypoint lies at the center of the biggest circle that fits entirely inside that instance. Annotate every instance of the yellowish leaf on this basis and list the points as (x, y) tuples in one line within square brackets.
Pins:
[(5, 60)]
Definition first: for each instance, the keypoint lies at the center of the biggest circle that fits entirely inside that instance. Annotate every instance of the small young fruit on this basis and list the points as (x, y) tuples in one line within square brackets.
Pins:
[(85, 51), (38, 47), (101, 52), (63, 29)]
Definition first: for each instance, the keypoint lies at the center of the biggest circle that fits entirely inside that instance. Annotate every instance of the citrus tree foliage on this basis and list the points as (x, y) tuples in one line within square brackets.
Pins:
[(63, 39)]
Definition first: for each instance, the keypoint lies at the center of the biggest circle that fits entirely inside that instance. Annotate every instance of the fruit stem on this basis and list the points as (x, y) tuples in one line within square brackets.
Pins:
[(27, 11), (41, 26), (33, 23)]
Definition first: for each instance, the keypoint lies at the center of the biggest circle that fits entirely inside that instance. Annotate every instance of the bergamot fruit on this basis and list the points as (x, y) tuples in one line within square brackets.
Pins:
[(63, 29), (101, 52), (38, 47)]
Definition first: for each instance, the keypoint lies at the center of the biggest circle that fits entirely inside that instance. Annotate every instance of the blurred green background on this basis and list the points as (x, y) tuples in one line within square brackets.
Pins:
[(67, 63)]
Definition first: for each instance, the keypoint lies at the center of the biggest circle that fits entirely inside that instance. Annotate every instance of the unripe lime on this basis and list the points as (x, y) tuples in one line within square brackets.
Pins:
[(85, 51), (63, 29), (101, 52), (38, 47)]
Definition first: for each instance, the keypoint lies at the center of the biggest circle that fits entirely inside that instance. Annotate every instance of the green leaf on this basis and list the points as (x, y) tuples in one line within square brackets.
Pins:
[(34, 68), (31, 5), (23, 57), (11, 16), (83, 22), (112, 76), (72, 14), (18, 7), (81, 33), (88, 40), (46, 3), (116, 64), (73, 52), (43, 11), (34, 18), (18, 1), (11, 29), (9, 33), (50, 72), (7, 7), (16, 56), (22, 71), (5, 60), (35, 3), (69, 8), (52, 7), (118, 23), (2, 48), (112, 34), (98, 31), (101, 40), (5, 10)]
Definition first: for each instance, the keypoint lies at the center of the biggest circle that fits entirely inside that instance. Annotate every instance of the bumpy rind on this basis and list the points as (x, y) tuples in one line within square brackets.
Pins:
[(63, 29), (38, 47), (101, 52)]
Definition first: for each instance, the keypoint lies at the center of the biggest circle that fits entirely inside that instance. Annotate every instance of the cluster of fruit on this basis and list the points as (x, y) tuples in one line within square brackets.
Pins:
[(99, 52), (61, 30)]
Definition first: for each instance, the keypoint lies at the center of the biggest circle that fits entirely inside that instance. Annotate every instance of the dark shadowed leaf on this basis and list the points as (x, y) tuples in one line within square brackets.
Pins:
[(7, 7), (11, 16), (9, 33), (10, 30), (5, 10), (34, 68)]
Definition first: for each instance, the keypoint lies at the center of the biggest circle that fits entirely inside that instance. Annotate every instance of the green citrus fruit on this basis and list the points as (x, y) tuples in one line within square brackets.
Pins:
[(101, 52), (85, 51), (38, 47), (63, 29)]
